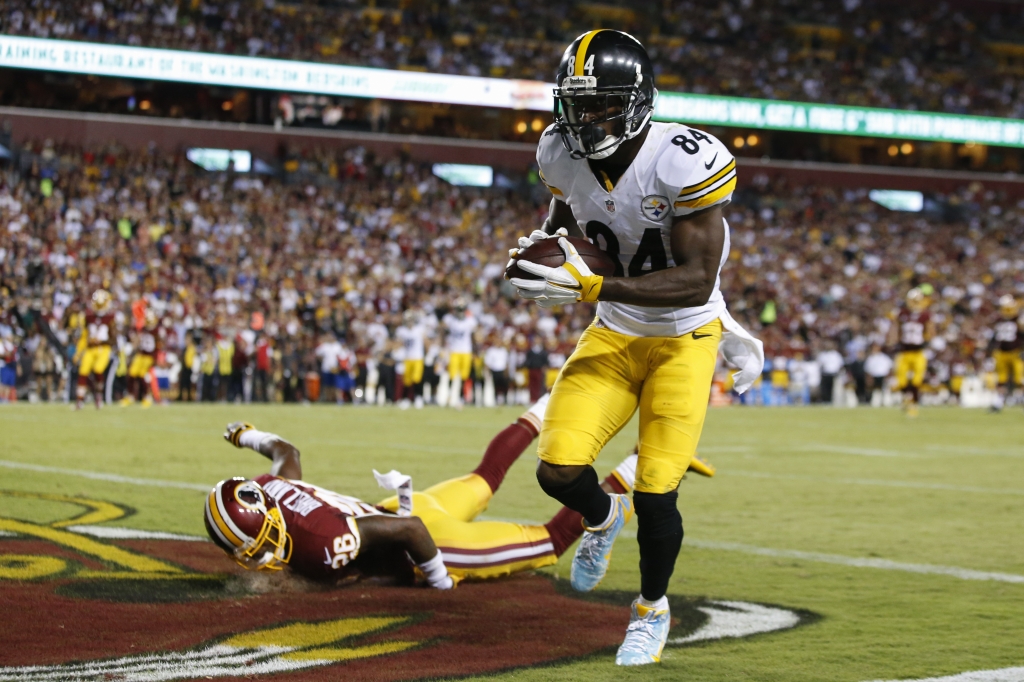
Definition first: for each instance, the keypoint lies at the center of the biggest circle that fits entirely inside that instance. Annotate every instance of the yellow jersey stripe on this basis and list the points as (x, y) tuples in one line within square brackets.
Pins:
[(690, 189), (710, 198), (690, 196), (608, 184), (581, 52)]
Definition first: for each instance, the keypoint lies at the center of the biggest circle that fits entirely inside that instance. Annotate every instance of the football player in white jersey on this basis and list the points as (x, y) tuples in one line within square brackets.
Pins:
[(411, 335), (650, 195), (460, 324)]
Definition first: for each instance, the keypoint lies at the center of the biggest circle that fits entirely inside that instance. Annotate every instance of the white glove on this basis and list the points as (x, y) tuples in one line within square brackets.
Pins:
[(527, 242), (570, 282)]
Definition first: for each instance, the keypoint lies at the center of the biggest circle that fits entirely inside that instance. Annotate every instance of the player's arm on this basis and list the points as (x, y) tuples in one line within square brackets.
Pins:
[(697, 241), (406, 534), (561, 216), (284, 455)]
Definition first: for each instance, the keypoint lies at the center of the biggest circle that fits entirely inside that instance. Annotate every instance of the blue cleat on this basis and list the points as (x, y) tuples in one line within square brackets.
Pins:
[(595, 549), (645, 636)]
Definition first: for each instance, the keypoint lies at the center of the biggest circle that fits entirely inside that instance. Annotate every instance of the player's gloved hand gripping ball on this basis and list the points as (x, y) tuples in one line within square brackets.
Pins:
[(533, 271)]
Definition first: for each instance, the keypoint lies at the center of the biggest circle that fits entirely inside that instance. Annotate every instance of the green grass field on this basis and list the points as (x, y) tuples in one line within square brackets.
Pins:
[(946, 489)]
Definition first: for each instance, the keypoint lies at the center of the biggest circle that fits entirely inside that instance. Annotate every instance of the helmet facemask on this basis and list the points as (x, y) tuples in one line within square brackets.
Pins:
[(271, 549), (579, 96)]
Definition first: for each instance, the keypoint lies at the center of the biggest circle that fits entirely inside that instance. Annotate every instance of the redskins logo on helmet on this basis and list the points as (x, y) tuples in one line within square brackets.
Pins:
[(604, 76), (916, 300), (244, 521), (101, 300), (1008, 306)]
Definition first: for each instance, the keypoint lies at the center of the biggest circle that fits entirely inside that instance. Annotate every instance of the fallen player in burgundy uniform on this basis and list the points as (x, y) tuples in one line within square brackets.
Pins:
[(278, 520)]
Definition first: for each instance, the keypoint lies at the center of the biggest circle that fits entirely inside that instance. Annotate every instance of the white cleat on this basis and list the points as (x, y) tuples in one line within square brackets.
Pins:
[(645, 636)]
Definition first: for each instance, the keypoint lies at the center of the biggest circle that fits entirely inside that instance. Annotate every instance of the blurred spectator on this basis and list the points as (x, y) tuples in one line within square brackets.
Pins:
[(953, 57), (877, 367)]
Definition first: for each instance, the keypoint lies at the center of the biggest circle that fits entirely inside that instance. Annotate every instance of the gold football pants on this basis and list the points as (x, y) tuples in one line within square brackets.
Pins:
[(911, 366), (609, 376), (95, 360), (140, 365), (459, 365), (1009, 364), (476, 549)]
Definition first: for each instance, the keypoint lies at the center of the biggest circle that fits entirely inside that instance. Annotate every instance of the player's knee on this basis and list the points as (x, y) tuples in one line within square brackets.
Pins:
[(657, 515), (555, 479)]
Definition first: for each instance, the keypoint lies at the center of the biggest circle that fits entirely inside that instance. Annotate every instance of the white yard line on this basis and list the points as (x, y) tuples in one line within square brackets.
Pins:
[(1001, 675), (100, 476), (857, 562), (874, 482), (119, 533), (819, 557)]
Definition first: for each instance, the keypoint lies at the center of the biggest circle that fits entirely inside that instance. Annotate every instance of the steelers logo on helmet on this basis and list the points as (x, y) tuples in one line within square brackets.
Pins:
[(604, 93)]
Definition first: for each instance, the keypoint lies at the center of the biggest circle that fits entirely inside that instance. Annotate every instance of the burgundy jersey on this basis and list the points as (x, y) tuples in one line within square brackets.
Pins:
[(325, 539), (912, 326), (99, 329), (1008, 336)]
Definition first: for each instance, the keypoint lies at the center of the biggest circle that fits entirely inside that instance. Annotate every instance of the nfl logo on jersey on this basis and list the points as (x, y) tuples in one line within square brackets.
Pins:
[(610, 205), (655, 207)]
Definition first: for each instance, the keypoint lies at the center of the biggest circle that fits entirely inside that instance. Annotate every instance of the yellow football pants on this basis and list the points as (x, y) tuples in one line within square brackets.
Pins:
[(95, 360), (413, 372), (609, 376), (1009, 364), (911, 366), (459, 365), (476, 549), (140, 365)]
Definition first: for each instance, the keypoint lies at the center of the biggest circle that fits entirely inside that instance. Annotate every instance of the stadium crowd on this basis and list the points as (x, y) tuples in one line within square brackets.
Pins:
[(955, 57), (316, 285)]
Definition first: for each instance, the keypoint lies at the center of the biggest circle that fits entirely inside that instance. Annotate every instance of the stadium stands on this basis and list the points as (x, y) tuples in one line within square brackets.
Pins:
[(247, 260), (961, 57)]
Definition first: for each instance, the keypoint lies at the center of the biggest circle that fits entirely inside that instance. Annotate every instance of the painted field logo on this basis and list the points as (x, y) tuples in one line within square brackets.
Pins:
[(166, 607)]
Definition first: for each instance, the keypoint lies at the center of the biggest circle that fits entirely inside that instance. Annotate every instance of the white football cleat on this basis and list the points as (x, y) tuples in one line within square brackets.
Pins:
[(645, 636)]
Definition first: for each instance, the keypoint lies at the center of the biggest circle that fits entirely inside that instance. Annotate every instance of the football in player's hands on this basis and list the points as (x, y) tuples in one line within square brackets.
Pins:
[(548, 252)]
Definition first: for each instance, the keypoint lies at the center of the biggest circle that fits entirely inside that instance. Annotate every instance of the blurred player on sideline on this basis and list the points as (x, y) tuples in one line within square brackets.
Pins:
[(411, 335), (914, 328), (150, 341), (460, 324), (1007, 342), (278, 520), (93, 354)]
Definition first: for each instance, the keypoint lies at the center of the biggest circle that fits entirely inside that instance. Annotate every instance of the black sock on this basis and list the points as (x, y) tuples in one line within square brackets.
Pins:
[(660, 536), (584, 495)]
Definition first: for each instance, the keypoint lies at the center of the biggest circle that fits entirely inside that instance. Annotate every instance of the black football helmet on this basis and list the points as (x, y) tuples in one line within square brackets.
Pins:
[(599, 71)]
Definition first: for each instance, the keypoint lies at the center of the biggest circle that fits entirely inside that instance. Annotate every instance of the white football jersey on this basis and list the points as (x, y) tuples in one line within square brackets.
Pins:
[(678, 171), (412, 341), (460, 333)]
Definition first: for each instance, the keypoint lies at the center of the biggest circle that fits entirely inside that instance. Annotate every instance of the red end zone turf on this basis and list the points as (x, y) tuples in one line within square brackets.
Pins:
[(413, 633)]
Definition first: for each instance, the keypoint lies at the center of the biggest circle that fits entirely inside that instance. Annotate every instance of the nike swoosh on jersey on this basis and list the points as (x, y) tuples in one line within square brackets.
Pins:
[(709, 164), (698, 337)]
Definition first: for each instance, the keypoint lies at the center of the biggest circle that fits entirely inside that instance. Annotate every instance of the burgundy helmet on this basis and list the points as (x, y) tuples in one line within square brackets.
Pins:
[(244, 521)]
